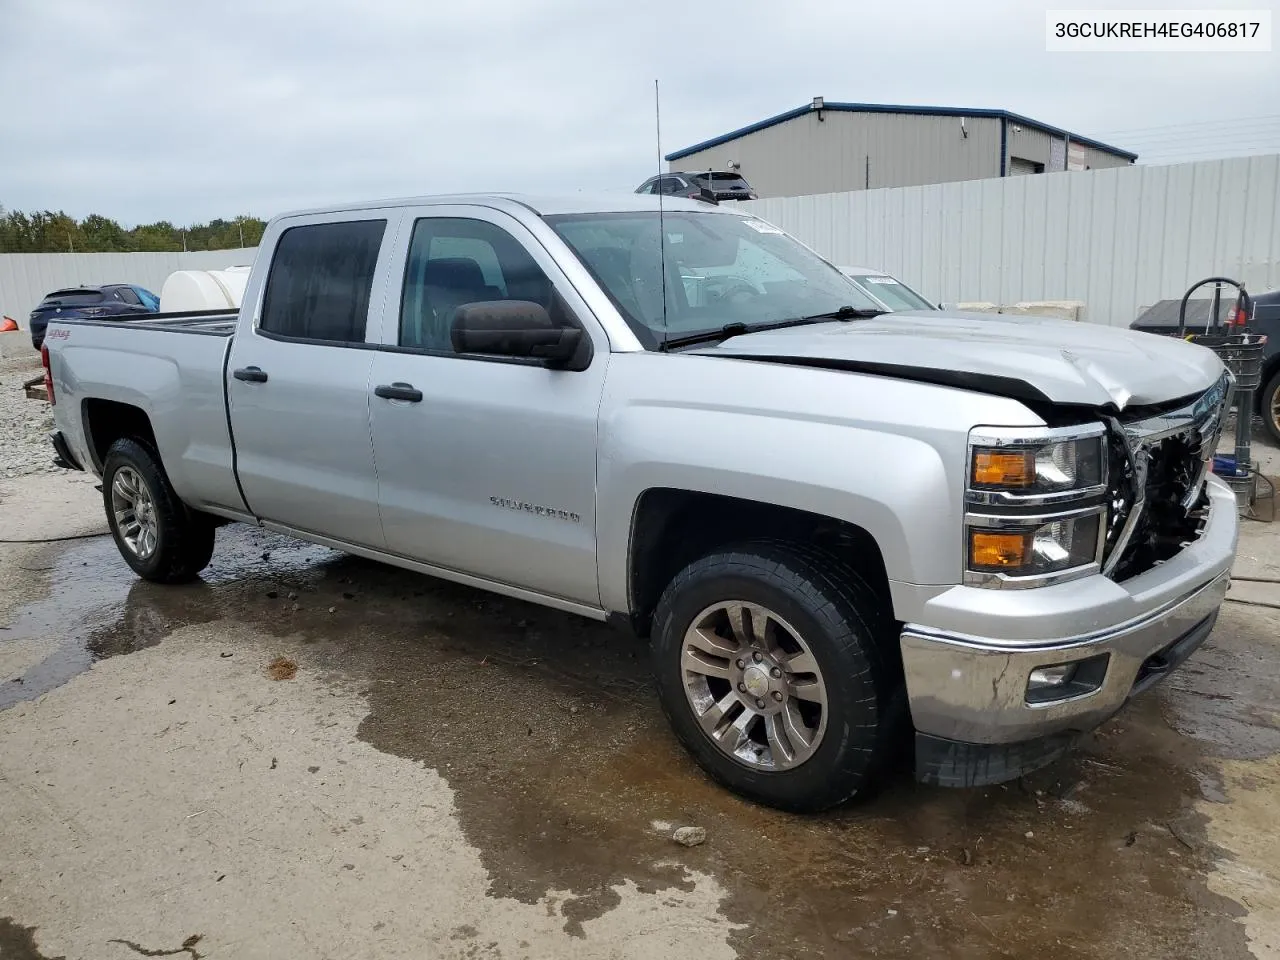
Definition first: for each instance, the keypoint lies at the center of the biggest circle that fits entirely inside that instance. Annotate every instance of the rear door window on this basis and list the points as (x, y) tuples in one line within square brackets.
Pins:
[(75, 298), (724, 181), (128, 296), (320, 281)]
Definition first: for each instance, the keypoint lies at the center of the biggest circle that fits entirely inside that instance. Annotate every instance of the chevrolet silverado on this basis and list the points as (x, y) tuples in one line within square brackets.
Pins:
[(846, 534)]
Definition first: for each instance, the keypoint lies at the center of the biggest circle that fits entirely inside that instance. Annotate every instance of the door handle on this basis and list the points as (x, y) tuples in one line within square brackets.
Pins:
[(250, 375), (398, 391)]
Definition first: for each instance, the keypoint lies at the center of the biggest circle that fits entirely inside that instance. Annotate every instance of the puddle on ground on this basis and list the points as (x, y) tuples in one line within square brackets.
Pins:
[(547, 728), (19, 943), (1225, 695), (98, 607)]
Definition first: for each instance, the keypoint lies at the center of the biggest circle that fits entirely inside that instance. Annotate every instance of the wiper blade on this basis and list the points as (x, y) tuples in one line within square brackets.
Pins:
[(738, 328), (706, 336), (847, 312)]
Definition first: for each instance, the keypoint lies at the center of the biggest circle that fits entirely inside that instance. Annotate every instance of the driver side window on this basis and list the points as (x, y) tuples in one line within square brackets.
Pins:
[(455, 261)]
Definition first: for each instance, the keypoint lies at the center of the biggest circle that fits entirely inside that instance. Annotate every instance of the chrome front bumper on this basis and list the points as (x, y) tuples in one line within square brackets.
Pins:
[(971, 689)]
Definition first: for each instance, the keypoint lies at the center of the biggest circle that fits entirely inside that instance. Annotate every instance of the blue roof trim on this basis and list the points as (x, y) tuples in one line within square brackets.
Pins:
[(902, 108)]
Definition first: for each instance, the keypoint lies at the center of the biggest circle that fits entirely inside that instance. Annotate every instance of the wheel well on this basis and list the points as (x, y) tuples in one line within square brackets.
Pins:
[(106, 421), (672, 528)]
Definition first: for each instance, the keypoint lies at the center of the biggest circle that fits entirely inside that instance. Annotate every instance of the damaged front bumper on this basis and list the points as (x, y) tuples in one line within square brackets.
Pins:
[(1055, 661)]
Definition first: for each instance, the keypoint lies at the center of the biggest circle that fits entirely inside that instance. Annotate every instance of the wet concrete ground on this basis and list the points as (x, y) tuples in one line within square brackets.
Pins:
[(453, 774)]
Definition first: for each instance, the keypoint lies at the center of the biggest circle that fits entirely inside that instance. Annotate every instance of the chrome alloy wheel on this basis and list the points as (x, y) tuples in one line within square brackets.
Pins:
[(135, 512), (754, 685)]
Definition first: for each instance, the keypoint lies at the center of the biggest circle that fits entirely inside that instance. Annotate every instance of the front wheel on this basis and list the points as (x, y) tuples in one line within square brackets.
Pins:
[(773, 668), (157, 534)]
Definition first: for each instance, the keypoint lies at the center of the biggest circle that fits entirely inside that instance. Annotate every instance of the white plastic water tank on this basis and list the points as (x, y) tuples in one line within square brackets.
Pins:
[(203, 290)]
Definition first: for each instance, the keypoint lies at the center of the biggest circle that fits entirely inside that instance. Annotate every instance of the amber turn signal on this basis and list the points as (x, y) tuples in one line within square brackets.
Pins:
[(1004, 468), (998, 551)]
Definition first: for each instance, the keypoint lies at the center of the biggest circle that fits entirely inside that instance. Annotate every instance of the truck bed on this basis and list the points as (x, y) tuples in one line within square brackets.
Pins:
[(217, 323), (178, 382)]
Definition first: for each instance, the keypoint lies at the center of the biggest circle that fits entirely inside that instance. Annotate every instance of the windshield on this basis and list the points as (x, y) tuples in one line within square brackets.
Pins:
[(720, 269), (892, 293)]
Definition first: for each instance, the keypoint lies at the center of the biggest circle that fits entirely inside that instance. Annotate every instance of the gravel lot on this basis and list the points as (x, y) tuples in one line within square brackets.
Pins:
[(24, 423)]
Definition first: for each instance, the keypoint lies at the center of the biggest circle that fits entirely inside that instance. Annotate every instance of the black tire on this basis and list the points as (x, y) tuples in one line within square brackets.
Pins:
[(184, 536), (1269, 404), (849, 631)]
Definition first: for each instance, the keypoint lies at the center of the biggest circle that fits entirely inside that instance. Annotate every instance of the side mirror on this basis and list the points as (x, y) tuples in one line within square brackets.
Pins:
[(707, 195), (514, 328)]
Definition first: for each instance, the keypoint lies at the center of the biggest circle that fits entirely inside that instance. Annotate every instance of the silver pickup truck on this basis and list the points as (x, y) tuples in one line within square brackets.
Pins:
[(836, 527)]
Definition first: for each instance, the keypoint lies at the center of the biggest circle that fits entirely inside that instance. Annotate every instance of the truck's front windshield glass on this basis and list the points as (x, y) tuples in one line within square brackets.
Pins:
[(720, 269)]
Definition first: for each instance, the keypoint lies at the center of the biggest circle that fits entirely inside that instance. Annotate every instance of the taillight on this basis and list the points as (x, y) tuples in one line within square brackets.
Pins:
[(1238, 316), (48, 374)]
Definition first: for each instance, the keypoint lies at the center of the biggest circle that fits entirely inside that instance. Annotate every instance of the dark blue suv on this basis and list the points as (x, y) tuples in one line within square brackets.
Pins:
[(114, 301)]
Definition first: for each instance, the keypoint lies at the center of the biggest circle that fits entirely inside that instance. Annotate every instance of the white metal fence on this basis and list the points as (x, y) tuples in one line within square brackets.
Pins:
[(1118, 239), (25, 278)]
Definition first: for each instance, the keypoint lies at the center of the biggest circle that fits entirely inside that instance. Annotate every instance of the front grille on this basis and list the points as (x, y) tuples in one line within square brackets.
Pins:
[(1157, 499)]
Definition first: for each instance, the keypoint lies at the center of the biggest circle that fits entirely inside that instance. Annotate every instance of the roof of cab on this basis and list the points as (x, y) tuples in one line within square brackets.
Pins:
[(540, 204)]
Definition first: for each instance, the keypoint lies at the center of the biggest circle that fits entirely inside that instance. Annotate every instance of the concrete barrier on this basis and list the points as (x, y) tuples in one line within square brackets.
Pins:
[(1062, 309)]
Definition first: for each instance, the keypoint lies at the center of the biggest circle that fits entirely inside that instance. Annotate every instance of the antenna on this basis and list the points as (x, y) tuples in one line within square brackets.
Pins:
[(662, 226)]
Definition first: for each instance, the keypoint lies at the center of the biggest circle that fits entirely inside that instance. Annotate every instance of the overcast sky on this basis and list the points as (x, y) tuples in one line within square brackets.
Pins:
[(150, 109)]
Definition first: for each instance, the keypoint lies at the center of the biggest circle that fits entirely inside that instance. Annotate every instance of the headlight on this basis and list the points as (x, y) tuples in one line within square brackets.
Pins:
[(1035, 499), (1034, 548), (1030, 468)]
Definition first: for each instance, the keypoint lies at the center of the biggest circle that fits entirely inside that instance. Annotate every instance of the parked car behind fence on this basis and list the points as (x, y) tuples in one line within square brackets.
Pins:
[(111, 301), (888, 291), (711, 185)]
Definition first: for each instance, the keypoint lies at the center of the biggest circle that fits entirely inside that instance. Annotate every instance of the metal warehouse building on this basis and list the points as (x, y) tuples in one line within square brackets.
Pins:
[(834, 147)]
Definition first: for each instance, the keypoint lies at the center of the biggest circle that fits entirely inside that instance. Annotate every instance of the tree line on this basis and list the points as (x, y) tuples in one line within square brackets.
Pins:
[(49, 232)]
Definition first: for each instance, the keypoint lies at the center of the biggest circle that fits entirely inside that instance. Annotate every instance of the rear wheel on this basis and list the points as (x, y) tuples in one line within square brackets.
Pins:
[(1270, 404), (157, 534), (772, 668)]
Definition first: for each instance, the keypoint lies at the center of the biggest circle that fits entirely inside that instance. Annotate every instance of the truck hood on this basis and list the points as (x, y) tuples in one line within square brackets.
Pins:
[(1027, 358)]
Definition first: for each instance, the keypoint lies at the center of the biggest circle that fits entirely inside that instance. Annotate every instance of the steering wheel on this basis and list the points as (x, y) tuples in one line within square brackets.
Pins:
[(733, 291)]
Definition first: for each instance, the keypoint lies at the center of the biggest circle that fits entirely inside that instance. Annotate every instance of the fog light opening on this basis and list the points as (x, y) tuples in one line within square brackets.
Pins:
[(1066, 681), (1054, 676)]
